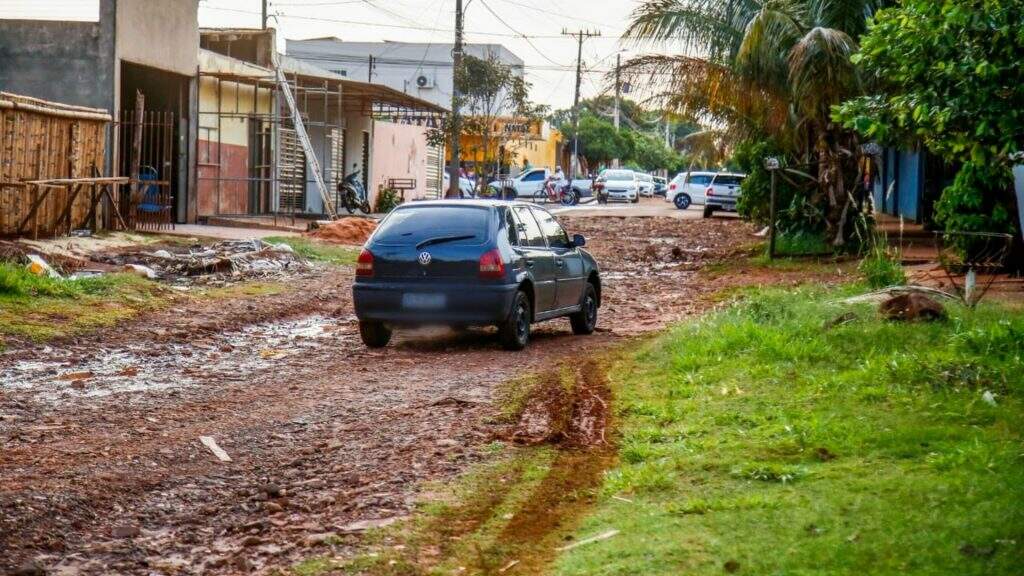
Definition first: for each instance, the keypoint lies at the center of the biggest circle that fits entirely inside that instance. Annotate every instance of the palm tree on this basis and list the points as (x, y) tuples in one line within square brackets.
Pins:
[(763, 68)]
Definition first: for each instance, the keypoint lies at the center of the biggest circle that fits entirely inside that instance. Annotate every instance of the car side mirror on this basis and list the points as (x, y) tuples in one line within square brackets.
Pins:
[(578, 241)]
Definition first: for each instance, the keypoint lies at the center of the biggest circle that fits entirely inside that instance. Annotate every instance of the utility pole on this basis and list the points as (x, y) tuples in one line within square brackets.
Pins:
[(580, 36), (456, 124), (265, 14), (618, 96), (369, 75)]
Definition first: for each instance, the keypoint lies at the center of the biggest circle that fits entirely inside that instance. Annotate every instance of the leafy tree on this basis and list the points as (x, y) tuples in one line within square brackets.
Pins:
[(948, 73), (599, 142), (489, 89), (765, 70)]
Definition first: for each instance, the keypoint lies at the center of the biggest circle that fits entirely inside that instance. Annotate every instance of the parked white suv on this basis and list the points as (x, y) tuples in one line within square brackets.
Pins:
[(620, 185), (688, 188)]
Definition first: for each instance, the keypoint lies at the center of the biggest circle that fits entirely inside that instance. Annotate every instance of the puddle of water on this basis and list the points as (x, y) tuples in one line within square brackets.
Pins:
[(62, 374)]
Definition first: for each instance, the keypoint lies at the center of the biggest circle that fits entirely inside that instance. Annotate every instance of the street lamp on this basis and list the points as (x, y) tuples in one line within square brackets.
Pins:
[(773, 165)]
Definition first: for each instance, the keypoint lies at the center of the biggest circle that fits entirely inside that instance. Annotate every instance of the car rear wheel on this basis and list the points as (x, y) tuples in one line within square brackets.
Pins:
[(682, 201), (374, 334), (585, 321), (515, 331), (708, 211)]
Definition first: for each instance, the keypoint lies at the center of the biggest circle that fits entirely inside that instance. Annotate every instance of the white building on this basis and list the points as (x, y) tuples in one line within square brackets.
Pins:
[(418, 69)]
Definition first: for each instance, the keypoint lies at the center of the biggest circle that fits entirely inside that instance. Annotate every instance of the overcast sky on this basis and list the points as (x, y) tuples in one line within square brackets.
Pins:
[(550, 58)]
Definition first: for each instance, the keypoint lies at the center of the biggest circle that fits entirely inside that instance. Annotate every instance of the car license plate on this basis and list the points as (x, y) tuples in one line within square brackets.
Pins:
[(424, 301)]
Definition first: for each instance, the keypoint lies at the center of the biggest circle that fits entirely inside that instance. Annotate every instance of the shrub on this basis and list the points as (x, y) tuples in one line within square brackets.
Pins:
[(387, 200), (881, 266)]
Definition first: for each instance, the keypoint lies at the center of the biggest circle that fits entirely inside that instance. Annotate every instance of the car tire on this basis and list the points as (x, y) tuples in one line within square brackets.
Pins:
[(682, 201), (374, 334), (515, 330), (585, 321), (636, 199), (708, 211)]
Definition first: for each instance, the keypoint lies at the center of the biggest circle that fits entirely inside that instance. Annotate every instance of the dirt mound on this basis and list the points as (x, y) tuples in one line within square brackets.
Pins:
[(911, 307), (346, 231)]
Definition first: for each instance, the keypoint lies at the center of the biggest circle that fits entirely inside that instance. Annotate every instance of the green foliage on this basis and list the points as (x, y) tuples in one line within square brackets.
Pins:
[(387, 200), (881, 266), (947, 73), (600, 143), (863, 448)]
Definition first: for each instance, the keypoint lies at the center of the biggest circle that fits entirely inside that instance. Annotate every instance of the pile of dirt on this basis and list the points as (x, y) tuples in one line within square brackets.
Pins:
[(346, 231)]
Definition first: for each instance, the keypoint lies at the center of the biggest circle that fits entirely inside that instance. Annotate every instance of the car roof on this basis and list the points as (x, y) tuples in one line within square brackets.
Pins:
[(736, 174), (479, 203)]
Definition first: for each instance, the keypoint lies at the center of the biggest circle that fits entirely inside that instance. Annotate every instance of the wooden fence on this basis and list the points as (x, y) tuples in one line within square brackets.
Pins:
[(51, 167)]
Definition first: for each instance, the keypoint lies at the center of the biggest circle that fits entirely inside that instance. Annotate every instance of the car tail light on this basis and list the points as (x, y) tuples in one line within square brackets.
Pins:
[(710, 191), (672, 186), (364, 264), (492, 267)]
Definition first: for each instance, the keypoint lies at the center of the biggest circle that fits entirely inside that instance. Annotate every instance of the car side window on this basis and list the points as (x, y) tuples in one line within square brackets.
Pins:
[(530, 233), (700, 179), (535, 176), (511, 227), (553, 231)]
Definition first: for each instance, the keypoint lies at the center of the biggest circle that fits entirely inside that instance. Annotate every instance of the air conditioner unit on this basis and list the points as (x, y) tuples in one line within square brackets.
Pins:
[(424, 82)]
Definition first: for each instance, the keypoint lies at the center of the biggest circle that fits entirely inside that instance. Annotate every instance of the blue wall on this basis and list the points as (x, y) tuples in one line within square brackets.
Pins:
[(906, 169)]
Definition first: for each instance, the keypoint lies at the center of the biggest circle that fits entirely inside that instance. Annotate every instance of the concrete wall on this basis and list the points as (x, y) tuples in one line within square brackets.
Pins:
[(399, 151), (68, 62), (163, 34)]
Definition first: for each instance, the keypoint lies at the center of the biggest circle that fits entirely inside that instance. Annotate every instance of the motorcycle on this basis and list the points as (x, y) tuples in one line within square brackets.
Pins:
[(352, 195), (600, 192), (559, 191)]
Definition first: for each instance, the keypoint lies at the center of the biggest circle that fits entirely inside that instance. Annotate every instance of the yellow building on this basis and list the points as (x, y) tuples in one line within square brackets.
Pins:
[(518, 143)]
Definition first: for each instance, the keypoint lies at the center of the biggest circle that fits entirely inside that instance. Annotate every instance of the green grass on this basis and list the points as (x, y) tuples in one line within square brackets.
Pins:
[(881, 266), (758, 441), (312, 249), (41, 308)]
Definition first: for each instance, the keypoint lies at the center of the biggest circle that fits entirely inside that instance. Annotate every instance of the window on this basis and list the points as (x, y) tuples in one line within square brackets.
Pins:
[(510, 227), (553, 231), (535, 176), (618, 175), (728, 180), (412, 225), (529, 233), (700, 179)]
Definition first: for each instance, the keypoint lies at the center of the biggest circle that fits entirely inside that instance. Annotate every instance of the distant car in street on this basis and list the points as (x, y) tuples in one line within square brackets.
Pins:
[(688, 188), (660, 186), (466, 187), (646, 184), (474, 263), (620, 185), (531, 185), (722, 193)]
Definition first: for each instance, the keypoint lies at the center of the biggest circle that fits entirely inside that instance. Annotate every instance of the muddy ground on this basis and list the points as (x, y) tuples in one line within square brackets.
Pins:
[(102, 469)]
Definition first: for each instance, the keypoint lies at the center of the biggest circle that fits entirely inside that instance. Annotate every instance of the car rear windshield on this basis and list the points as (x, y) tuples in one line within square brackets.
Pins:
[(455, 225), (728, 180), (618, 175)]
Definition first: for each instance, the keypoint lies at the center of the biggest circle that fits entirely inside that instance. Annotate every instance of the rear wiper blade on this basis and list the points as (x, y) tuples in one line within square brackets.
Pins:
[(443, 239)]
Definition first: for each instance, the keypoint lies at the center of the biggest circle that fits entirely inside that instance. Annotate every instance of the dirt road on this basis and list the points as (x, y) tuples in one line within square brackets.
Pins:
[(103, 471)]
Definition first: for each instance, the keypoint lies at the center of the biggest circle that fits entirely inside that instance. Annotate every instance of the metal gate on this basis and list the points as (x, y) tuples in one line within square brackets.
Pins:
[(146, 150), (435, 171), (292, 173)]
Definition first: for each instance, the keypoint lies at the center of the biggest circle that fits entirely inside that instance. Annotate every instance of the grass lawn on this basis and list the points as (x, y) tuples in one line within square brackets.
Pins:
[(758, 440), (41, 308), (313, 249)]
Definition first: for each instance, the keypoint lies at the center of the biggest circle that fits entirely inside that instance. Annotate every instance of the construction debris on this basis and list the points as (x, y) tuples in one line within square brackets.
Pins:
[(219, 263), (219, 452), (351, 230), (39, 267)]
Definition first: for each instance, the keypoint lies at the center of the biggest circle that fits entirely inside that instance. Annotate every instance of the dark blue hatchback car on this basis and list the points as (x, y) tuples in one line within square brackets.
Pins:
[(474, 263)]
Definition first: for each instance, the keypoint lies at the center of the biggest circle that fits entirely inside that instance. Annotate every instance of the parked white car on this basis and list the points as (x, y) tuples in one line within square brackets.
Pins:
[(465, 185), (722, 193), (688, 188), (620, 185), (646, 184), (530, 185)]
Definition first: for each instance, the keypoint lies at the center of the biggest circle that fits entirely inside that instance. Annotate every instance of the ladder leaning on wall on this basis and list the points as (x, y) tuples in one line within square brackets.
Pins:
[(307, 147)]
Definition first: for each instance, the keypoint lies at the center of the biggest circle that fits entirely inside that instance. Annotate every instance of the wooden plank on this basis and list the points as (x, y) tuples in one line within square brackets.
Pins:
[(219, 452)]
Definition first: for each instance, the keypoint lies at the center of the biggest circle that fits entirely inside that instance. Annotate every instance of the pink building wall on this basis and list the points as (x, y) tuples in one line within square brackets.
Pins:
[(399, 151)]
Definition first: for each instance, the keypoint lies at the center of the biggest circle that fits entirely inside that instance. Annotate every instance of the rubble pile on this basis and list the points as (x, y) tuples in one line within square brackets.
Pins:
[(219, 263), (346, 231)]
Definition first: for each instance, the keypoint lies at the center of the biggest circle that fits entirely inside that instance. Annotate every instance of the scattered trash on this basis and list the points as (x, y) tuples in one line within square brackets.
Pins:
[(508, 566), (349, 230), (140, 270), (911, 307), (39, 267), (989, 398), (215, 264), (81, 233), (219, 452), (591, 540)]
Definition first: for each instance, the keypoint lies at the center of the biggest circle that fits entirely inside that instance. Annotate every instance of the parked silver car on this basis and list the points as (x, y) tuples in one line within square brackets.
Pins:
[(714, 190)]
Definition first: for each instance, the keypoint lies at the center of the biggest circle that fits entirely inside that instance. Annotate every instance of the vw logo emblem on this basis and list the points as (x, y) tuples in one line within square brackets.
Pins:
[(425, 258)]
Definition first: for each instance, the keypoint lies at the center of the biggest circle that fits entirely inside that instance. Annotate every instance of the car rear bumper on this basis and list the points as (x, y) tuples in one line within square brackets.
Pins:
[(719, 203), (467, 305)]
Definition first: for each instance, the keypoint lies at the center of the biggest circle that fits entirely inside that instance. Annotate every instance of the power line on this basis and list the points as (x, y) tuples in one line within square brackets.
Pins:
[(523, 36)]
